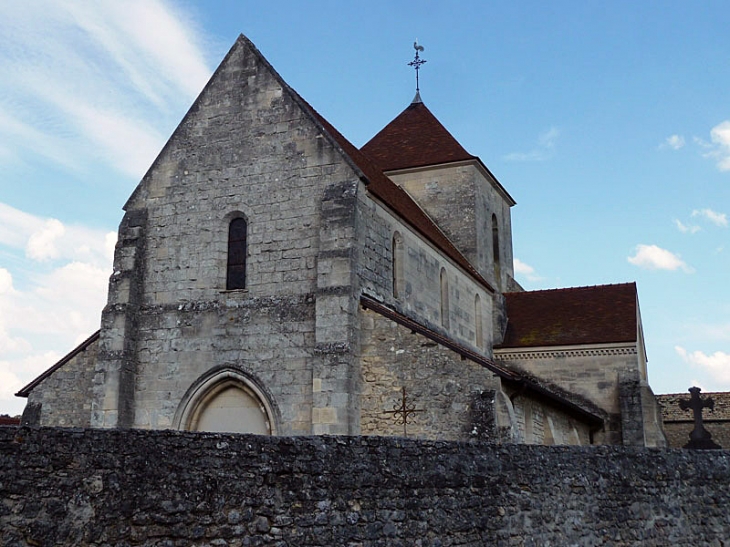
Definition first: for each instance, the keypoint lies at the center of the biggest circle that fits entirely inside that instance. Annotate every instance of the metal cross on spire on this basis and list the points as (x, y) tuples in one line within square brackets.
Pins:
[(417, 62)]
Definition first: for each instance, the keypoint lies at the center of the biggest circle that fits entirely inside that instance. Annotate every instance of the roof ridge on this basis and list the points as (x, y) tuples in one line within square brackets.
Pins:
[(577, 288)]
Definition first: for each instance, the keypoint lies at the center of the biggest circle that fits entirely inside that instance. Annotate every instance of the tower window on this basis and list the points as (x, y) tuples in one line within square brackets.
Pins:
[(397, 265), (236, 271), (478, 328), (444, 299), (495, 248)]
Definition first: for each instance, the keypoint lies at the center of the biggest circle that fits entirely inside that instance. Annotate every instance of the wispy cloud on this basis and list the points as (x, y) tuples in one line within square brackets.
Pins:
[(525, 270), (686, 228), (718, 148), (718, 219), (652, 257), (84, 81), (675, 142), (717, 364), (544, 149)]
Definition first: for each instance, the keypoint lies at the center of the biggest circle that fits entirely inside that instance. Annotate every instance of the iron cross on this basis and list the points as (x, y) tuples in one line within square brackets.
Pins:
[(417, 62), (401, 413)]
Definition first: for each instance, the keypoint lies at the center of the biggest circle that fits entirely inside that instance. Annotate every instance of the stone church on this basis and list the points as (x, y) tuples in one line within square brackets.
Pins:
[(272, 278)]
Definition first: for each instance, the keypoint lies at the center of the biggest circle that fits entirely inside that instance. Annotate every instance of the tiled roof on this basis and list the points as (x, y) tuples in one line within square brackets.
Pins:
[(671, 412), (9, 420), (415, 138), (565, 317)]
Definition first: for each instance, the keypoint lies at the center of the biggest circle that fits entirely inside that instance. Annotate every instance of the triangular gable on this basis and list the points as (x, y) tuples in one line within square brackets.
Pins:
[(241, 51), (575, 316)]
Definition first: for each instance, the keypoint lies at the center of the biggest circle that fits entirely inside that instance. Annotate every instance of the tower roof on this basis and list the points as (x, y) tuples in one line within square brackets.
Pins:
[(415, 138)]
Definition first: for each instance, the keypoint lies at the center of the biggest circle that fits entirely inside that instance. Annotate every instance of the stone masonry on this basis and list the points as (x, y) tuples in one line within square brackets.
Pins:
[(151, 488)]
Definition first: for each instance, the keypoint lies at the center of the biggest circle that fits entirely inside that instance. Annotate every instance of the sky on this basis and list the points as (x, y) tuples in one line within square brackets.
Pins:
[(608, 122)]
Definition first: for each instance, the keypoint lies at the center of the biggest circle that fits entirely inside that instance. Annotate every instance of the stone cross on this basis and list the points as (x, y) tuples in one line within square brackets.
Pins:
[(401, 413), (699, 438)]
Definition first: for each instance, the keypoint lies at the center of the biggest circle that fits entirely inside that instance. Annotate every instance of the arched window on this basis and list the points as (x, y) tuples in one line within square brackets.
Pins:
[(478, 328), (236, 270), (444, 299), (495, 248), (397, 265)]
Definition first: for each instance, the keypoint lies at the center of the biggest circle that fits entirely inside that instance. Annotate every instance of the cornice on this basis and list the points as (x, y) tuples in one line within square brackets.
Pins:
[(564, 352)]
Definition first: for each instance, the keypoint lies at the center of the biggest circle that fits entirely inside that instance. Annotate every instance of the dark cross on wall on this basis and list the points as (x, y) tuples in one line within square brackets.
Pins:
[(699, 438), (402, 412)]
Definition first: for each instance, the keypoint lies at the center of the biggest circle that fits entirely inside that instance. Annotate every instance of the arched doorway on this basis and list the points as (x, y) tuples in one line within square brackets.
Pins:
[(226, 402)]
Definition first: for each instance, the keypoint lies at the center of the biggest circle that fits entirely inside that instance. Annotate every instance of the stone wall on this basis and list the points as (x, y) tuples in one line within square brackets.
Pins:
[(133, 488), (421, 294), (440, 385), (592, 373)]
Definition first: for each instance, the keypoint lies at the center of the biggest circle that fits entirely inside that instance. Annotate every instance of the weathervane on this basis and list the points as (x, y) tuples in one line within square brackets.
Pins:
[(417, 62)]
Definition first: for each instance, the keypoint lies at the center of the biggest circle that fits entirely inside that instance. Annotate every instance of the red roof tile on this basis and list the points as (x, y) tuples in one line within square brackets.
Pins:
[(415, 138), (565, 317)]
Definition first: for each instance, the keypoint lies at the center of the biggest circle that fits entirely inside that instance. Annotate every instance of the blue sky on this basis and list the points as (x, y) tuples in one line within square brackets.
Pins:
[(608, 122)]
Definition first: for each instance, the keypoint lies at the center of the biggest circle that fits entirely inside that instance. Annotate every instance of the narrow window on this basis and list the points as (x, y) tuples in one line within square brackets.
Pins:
[(444, 299), (236, 272), (478, 322), (397, 265), (495, 248)]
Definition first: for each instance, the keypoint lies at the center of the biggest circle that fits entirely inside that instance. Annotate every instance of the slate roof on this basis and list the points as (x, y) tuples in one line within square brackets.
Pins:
[(565, 317), (671, 412), (415, 138)]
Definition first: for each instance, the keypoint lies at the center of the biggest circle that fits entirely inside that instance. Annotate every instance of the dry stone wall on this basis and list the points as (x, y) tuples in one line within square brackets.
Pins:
[(144, 488)]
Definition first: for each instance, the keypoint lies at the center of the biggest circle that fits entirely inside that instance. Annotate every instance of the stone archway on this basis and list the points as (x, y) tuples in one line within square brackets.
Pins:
[(226, 401)]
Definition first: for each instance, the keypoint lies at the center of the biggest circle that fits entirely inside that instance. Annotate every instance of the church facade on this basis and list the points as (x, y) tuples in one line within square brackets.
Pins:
[(272, 278)]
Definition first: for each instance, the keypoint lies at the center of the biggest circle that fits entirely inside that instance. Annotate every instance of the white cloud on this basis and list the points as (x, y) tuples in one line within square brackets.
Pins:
[(651, 257), (525, 270), (92, 81), (718, 149), (717, 365), (6, 282), (47, 238), (719, 219), (42, 244), (543, 151), (55, 306), (675, 142), (685, 228)]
